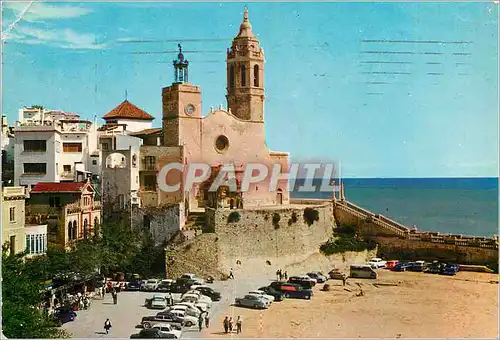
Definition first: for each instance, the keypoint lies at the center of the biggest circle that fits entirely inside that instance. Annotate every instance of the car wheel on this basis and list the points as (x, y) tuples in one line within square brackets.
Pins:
[(188, 323), (256, 306), (308, 297), (146, 325), (287, 295)]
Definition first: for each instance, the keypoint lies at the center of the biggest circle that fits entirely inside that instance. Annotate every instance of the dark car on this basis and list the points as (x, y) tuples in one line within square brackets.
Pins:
[(63, 315), (417, 266), (401, 267), (164, 287), (278, 295), (134, 285), (292, 290), (433, 268), (147, 321), (182, 285), (207, 291), (449, 269), (152, 333), (306, 284)]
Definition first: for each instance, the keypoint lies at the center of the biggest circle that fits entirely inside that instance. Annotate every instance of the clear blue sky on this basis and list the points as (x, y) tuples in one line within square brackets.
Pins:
[(429, 110)]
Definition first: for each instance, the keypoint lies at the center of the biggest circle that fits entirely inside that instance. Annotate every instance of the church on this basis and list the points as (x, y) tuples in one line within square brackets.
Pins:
[(234, 136)]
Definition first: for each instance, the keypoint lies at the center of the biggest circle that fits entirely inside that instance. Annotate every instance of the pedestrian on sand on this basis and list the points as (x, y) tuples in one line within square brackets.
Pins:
[(226, 324), (344, 279), (107, 325), (278, 275), (207, 320), (286, 275), (231, 276), (115, 296), (239, 322), (231, 324)]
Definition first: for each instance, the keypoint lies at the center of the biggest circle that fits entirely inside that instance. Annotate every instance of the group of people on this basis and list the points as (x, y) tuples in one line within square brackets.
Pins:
[(203, 319), (228, 324), (280, 275)]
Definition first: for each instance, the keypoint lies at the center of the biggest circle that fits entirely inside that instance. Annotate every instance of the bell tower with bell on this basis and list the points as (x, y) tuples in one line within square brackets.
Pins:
[(245, 74), (181, 107)]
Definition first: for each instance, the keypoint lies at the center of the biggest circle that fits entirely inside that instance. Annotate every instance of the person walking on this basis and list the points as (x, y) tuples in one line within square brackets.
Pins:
[(231, 324), (115, 296), (239, 323), (207, 320), (286, 275), (200, 322), (226, 324), (107, 325), (278, 275), (231, 276)]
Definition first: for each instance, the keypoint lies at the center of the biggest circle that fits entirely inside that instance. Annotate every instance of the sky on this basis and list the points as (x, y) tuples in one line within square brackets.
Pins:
[(389, 89)]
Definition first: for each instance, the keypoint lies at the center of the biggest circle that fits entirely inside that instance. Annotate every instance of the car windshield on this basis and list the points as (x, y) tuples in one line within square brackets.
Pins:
[(151, 281)]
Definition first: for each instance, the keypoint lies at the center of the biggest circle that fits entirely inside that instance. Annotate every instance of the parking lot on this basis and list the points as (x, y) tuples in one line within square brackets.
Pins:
[(129, 310)]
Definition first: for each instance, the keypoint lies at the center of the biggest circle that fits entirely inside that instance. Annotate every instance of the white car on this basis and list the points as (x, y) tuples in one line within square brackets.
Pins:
[(377, 263), (188, 308), (150, 285), (158, 302), (202, 306), (200, 298), (262, 294), (166, 328), (187, 320)]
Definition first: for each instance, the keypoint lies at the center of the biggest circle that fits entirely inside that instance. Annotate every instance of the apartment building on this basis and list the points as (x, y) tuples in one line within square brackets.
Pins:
[(54, 146), (13, 206)]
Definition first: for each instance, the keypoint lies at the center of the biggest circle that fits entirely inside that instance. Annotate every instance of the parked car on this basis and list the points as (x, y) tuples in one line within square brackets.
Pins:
[(156, 302), (197, 298), (262, 294), (175, 317), (167, 328), (449, 269), (391, 263), (193, 277), (278, 296), (63, 315), (320, 278), (337, 275), (292, 290), (402, 267), (363, 271), (207, 291), (189, 308), (134, 285), (150, 285), (252, 301), (165, 285), (152, 333), (377, 262), (304, 283), (181, 286), (417, 266)]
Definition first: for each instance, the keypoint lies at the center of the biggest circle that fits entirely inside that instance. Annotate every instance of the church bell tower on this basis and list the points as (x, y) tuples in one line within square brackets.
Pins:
[(245, 75)]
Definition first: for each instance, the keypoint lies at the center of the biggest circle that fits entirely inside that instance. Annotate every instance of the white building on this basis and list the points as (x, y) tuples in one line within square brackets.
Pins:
[(36, 239), (53, 146), (129, 116), (7, 139)]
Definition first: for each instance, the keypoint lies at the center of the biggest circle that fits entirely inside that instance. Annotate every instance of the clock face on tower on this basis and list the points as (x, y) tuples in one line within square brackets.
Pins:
[(190, 109)]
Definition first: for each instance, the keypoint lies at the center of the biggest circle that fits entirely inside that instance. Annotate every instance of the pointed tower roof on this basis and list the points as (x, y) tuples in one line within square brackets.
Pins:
[(127, 110), (245, 27)]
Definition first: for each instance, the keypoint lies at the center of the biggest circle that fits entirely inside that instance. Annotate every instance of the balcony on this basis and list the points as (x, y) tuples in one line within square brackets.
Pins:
[(148, 166), (72, 208)]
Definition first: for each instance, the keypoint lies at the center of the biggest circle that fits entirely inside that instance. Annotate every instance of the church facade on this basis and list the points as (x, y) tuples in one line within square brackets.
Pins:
[(235, 136)]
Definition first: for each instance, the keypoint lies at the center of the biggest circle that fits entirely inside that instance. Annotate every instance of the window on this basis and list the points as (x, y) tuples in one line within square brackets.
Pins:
[(222, 143), (85, 231), (70, 231), (12, 245), (104, 146), (67, 168), (55, 201), (74, 230), (72, 147), (231, 76), (256, 76), (12, 214), (150, 163), (243, 76), (94, 162), (57, 168), (35, 145), (35, 168), (96, 222), (150, 183)]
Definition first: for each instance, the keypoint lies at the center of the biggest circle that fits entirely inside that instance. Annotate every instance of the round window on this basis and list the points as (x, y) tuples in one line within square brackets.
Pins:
[(222, 143)]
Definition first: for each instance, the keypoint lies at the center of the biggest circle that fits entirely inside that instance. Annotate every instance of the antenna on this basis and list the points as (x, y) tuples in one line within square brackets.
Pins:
[(126, 95)]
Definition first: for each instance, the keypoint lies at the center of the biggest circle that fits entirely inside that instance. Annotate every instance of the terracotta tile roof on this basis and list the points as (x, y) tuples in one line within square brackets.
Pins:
[(42, 187), (127, 110), (146, 132)]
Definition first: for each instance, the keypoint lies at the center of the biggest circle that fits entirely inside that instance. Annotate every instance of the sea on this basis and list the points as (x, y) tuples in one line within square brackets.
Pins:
[(467, 206)]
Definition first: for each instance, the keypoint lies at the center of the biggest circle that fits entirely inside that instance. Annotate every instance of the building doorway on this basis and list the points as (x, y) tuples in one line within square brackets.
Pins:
[(279, 197)]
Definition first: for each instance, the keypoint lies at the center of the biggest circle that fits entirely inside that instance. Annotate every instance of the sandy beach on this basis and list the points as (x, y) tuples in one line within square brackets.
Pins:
[(405, 305)]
